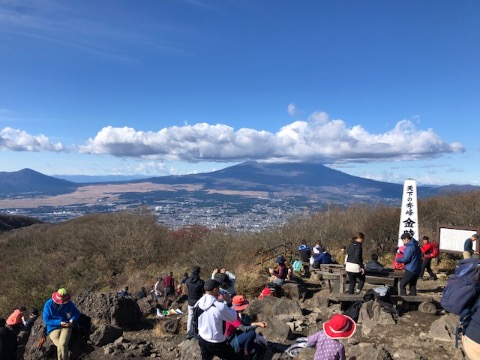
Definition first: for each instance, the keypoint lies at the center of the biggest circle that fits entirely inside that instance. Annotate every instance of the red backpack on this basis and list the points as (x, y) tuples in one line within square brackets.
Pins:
[(435, 250), (397, 265)]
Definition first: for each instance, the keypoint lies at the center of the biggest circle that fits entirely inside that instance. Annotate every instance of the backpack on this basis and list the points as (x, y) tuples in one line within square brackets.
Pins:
[(397, 265), (462, 288), (297, 265), (193, 332), (435, 250)]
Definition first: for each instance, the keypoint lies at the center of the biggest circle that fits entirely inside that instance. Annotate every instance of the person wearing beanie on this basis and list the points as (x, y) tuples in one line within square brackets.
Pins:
[(195, 287), (217, 309), (59, 316), (14, 321)]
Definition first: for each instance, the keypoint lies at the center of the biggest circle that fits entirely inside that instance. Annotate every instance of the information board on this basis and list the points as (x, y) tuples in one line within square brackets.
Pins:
[(452, 239)]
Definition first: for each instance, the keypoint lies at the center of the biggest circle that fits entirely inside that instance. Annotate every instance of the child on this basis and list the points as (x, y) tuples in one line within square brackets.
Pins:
[(328, 347)]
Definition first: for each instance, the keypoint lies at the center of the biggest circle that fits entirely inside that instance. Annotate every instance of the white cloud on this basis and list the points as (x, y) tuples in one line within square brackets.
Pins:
[(317, 139), (292, 109), (18, 140)]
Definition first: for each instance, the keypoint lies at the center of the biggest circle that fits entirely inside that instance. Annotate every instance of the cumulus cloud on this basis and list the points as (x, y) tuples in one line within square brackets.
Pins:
[(317, 139), (18, 140)]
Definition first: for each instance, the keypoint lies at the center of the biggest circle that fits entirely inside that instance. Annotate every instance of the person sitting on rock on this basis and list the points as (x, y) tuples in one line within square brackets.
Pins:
[(14, 321), (241, 333), (374, 265), (326, 341), (29, 320), (279, 274), (59, 316), (226, 278), (124, 293), (142, 293)]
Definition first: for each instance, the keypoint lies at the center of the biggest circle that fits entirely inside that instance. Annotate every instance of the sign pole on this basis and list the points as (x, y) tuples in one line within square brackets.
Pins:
[(409, 212)]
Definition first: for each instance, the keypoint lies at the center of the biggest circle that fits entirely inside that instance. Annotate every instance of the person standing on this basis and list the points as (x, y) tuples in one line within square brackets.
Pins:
[(468, 251), (59, 316), (354, 265), (195, 287), (427, 251), (8, 342), (169, 284), (211, 336), (412, 258)]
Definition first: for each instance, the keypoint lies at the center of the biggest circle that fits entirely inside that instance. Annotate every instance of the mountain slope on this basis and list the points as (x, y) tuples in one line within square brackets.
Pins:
[(33, 183)]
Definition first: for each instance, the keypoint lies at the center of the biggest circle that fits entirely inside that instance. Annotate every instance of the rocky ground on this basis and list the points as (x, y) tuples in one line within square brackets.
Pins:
[(127, 328)]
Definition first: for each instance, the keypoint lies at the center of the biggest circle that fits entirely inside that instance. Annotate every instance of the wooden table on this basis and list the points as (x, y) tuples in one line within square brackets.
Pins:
[(336, 273)]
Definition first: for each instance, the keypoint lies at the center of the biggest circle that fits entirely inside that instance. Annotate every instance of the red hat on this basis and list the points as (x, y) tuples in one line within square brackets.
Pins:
[(61, 296), (239, 303), (339, 327)]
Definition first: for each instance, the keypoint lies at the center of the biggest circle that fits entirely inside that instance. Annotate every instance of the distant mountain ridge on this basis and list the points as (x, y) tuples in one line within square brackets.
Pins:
[(313, 181)]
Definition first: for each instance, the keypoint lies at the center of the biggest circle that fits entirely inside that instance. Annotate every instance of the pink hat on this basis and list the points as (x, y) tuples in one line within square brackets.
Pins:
[(239, 303), (61, 296), (339, 327)]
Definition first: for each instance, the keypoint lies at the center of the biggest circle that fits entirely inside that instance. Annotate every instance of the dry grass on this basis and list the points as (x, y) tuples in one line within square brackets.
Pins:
[(107, 251)]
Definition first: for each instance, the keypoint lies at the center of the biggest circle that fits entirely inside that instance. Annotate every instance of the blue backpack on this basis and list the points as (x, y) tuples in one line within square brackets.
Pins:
[(463, 287)]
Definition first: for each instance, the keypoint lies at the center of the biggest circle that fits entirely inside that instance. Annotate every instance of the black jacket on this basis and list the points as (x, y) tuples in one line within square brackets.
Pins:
[(8, 344), (195, 287), (355, 253), (374, 265)]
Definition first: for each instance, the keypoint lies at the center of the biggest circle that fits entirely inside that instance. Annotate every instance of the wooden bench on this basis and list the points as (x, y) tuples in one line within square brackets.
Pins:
[(397, 298)]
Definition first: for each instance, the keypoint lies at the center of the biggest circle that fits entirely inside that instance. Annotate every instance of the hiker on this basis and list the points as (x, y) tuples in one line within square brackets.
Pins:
[(412, 258), (15, 320), (468, 251), (326, 341), (427, 251), (354, 265), (226, 278), (241, 333), (340, 255), (29, 320), (184, 278), (374, 264), (142, 293), (169, 285), (279, 274), (8, 342), (211, 337), (398, 253), (195, 287), (304, 253), (124, 293), (322, 258), (471, 333), (59, 316), (318, 248), (158, 289)]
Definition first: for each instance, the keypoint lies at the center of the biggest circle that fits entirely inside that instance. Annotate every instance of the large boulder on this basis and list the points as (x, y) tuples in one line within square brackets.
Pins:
[(443, 329)]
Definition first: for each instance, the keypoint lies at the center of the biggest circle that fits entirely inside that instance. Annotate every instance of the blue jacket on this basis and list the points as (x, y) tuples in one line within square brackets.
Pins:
[(468, 246), (53, 314), (412, 257), (323, 258)]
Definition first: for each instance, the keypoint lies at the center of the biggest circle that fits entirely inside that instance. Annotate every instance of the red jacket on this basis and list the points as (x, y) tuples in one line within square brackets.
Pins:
[(427, 250), (15, 317)]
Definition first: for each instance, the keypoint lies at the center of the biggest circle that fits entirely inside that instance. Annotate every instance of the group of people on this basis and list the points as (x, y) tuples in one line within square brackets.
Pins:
[(19, 320)]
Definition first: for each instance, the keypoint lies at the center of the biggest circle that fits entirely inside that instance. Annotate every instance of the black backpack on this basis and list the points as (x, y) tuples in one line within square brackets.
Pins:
[(197, 311)]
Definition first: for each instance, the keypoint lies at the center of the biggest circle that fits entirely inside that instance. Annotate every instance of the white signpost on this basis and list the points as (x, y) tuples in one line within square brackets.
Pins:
[(409, 212)]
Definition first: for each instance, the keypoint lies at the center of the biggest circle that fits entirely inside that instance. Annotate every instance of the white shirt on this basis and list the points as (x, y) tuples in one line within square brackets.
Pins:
[(210, 322)]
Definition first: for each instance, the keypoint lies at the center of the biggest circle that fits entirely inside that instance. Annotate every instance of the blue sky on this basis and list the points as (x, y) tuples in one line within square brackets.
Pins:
[(386, 90)]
